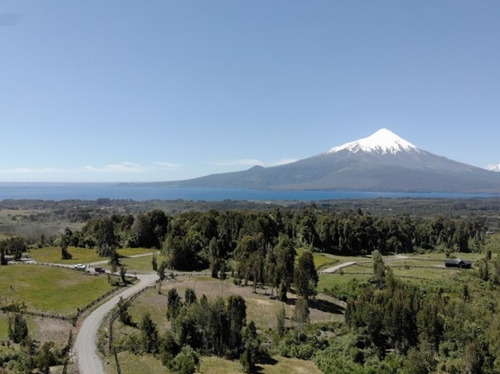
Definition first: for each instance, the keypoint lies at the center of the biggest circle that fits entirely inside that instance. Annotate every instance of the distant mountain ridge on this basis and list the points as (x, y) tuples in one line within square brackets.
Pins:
[(382, 162)]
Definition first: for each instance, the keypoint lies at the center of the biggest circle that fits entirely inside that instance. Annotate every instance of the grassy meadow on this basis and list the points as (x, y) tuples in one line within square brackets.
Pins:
[(80, 255), (49, 289)]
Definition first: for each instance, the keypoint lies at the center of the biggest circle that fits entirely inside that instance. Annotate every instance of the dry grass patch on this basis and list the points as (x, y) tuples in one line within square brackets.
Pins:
[(134, 364), (261, 307), (216, 365)]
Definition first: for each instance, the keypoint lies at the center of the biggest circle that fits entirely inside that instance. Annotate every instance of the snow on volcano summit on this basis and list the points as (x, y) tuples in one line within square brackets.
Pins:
[(493, 167), (383, 142)]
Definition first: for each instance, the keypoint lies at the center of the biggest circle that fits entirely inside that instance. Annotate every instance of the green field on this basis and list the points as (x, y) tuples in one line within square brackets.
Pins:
[(321, 260), (49, 289), (416, 268), (80, 255)]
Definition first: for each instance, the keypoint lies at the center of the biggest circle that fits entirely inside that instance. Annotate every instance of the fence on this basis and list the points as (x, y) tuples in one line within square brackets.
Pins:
[(112, 318), (66, 351), (80, 311)]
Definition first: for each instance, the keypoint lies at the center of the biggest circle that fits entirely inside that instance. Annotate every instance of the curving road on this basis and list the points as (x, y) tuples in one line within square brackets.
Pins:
[(85, 346)]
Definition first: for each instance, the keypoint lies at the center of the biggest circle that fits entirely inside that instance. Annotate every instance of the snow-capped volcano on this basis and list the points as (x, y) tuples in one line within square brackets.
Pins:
[(493, 168), (382, 142), (382, 162)]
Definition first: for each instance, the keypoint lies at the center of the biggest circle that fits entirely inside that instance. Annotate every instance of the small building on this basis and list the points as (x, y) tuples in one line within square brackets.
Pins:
[(458, 263)]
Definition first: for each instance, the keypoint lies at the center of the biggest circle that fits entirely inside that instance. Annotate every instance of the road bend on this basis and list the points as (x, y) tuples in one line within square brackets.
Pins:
[(85, 346)]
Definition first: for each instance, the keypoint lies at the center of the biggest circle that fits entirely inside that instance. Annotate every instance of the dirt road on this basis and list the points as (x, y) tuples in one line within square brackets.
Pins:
[(336, 268), (85, 346)]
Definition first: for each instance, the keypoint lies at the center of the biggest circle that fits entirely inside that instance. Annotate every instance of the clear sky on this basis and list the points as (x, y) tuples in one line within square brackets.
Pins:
[(160, 90)]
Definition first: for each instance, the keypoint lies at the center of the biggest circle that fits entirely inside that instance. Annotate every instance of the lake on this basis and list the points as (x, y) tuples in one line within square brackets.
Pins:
[(93, 191)]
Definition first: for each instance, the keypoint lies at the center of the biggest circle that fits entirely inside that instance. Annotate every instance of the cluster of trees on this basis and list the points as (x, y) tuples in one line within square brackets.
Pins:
[(14, 247), (210, 327), (31, 354)]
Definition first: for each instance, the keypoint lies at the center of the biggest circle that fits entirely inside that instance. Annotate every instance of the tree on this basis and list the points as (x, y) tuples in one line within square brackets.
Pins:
[(168, 349), (186, 362), (13, 246), (161, 274), (189, 296), (100, 232), (280, 321), (474, 358), (149, 335), (123, 273), (496, 274), (114, 260), (46, 357), (249, 356), (378, 269), (484, 272), (26, 360), (18, 329), (305, 276), (247, 246), (154, 262), (285, 264), (64, 242), (420, 361), (3, 260), (123, 313), (236, 314), (301, 311), (158, 221), (215, 258), (174, 304)]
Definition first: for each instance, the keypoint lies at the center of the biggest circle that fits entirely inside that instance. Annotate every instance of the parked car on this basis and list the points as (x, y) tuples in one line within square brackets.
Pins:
[(99, 270), (80, 266)]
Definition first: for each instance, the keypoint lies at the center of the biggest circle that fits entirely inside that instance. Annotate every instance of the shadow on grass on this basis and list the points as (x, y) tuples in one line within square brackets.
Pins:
[(321, 305), (264, 361), (326, 306)]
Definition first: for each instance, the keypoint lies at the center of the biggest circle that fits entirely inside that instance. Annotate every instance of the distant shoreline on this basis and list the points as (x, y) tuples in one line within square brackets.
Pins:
[(143, 192)]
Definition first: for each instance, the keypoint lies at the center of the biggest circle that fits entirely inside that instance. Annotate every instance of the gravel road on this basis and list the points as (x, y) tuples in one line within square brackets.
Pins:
[(85, 346), (336, 268)]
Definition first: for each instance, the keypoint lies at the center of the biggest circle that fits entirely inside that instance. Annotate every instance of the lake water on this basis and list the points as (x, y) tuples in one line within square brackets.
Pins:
[(93, 191)]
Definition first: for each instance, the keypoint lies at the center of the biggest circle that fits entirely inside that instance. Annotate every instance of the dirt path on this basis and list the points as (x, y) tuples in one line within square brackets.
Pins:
[(85, 347), (336, 268), (104, 262)]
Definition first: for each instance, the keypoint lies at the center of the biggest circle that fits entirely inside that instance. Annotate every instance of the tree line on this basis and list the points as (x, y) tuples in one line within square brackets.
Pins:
[(195, 239)]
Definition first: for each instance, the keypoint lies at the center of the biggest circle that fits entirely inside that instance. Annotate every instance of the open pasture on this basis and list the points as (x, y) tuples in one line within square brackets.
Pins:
[(49, 289), (80, 255), (429, 268)]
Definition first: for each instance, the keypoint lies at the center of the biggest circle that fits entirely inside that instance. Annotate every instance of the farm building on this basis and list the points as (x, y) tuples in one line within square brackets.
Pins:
[(458, 263)]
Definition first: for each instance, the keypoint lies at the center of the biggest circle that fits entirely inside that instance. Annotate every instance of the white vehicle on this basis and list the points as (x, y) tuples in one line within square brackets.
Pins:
[(80, 266)]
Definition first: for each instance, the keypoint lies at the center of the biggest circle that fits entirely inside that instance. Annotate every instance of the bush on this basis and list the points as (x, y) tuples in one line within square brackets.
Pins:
[(186, 362)]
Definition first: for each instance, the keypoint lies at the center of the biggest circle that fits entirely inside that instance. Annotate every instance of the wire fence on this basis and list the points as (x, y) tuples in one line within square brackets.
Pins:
[(112, 318)]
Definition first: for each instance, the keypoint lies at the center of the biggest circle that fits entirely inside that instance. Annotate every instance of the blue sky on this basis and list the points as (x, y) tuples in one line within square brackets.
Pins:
[(100, 90)]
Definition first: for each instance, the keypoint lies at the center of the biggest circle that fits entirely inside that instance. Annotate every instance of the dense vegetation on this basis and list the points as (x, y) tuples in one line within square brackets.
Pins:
[(200, 239), (391, 325)]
